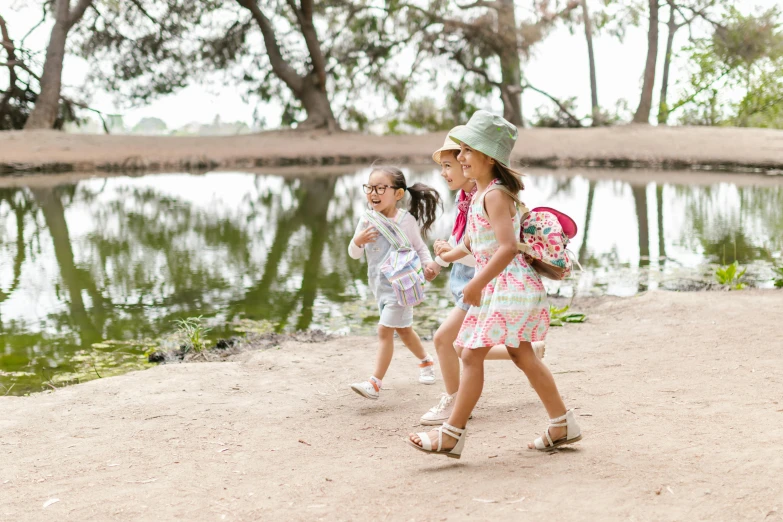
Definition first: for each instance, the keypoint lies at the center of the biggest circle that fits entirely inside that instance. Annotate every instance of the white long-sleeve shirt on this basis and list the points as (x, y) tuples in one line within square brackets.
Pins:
[(408, 225)]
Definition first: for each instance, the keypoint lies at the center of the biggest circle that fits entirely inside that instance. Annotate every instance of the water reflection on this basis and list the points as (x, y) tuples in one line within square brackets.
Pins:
[(122, 258)]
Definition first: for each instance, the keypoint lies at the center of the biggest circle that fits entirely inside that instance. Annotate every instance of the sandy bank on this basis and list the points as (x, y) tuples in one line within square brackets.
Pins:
[(625, 146), (679, 396)]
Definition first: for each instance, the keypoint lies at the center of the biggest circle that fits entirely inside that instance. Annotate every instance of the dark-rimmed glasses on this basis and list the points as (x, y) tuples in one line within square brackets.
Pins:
[(379, 189)]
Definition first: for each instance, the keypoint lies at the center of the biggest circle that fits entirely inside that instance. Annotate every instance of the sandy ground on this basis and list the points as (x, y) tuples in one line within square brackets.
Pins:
[(679, 395), (631, 145)]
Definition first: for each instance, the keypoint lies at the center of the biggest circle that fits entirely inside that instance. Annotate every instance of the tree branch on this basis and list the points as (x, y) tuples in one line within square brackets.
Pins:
[(86, 107), (11, 52), (78, 11), (559, 104), (313, 44), (33, 28), (698, 91), (492, 4), (144, 11), (457, 56), (282, 68)]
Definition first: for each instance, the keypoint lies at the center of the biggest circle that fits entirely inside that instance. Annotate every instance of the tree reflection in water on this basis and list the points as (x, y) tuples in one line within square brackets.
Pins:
[(122, 258)]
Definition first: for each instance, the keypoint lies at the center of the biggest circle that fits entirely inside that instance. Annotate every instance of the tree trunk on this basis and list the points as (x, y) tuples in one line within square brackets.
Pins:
[(316, 104), (645, 103), (512, 104), (47, 104), (310, 90), (663, 107), (510, 65), (591, 57)]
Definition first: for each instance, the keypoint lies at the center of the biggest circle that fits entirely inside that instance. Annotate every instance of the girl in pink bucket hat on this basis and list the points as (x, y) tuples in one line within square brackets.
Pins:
[(507, 297), (462, 272)]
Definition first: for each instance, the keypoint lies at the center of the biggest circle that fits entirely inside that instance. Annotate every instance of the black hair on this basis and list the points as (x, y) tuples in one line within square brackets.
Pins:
[(424, 201)]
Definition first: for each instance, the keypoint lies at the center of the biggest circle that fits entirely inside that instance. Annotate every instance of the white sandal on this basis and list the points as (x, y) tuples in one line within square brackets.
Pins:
[(573, 433), (448, 429)]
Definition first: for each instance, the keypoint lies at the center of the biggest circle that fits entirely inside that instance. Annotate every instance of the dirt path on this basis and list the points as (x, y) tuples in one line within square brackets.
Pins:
[(623, 146), (679, 396)]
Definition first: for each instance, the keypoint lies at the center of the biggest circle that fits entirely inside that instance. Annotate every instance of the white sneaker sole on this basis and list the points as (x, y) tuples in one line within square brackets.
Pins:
[(363, 393), (431, 422), (427, 381)]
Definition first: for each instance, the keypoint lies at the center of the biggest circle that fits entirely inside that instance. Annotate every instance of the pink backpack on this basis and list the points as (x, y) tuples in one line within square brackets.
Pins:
[(543, 238)]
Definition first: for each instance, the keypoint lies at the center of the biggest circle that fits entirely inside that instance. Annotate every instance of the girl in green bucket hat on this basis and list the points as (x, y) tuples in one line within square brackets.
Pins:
[(462, 272), (507, 297)]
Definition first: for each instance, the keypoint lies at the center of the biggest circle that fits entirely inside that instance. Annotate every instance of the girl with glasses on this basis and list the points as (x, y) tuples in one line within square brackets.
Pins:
[(384, 190)]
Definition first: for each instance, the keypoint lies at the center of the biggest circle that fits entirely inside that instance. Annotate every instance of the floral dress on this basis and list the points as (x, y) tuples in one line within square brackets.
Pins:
[(513, 305)]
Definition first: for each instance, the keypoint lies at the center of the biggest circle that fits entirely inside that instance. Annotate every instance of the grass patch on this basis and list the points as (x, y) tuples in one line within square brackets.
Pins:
[(193, 334)]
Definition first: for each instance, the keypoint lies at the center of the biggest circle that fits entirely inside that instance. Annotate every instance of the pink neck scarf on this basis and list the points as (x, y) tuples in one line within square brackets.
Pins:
[(462, 213)]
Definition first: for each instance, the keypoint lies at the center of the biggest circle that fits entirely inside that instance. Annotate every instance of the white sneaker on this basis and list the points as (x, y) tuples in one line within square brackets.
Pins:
[(440, 413), (539, 348), (427, 372), (367, 389)]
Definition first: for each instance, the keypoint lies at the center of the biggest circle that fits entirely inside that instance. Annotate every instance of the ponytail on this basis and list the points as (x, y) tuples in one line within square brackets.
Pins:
[(424, 200), (424, 203)]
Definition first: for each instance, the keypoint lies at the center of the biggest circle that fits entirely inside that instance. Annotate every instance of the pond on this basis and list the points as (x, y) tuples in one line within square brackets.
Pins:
[(93, 271)]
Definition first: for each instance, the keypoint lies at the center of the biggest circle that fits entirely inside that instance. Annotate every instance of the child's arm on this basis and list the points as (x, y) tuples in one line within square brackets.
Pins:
[(411, 229), (364, 234), (499, 211), (456, 253)]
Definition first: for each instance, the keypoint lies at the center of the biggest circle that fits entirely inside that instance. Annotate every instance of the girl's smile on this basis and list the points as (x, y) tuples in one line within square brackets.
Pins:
[(475, 165), (383, 196), (451, 171)]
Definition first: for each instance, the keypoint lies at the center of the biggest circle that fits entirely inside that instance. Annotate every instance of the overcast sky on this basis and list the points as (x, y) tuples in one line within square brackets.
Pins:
[(559, 65)]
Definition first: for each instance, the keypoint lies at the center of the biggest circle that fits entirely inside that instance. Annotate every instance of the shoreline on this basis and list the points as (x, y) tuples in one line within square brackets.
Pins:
[(624, 147)]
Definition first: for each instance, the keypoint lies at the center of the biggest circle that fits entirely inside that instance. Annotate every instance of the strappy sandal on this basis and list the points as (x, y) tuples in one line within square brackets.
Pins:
[(448, 429), (573, 433)]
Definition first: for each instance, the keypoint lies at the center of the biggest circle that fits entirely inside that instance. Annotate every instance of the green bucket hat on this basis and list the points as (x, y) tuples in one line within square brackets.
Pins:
[(489, 134)]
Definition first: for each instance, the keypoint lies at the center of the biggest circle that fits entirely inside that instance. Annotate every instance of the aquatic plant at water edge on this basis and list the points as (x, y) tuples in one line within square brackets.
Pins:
[(778, 280), (193, 333), (560, 316), (730, 276)]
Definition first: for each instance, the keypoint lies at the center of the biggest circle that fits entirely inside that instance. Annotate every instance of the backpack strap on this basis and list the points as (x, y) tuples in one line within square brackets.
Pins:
[(389, 229), (523, 210)]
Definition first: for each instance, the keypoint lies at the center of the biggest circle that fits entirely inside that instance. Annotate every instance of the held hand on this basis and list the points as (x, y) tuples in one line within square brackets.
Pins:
[(471, 294), (441, 247), (431, 270), (368, 235)]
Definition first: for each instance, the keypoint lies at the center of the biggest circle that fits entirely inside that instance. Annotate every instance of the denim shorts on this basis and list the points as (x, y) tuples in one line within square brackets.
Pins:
[(394, 315), (460, 276)]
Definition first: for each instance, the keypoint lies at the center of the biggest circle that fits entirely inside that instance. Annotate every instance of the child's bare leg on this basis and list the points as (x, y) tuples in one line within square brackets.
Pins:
[(448, 358), (411, 339), (542, 381), (470, 388), (385, 351)]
